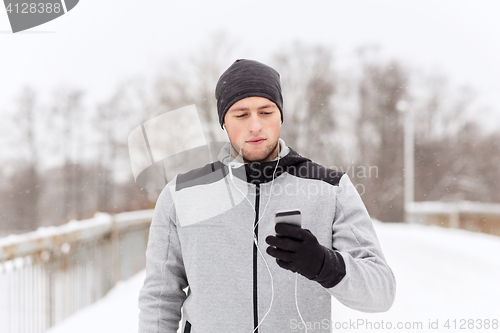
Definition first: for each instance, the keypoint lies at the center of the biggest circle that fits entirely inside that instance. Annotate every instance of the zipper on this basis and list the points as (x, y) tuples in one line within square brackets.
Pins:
[(256, 229)]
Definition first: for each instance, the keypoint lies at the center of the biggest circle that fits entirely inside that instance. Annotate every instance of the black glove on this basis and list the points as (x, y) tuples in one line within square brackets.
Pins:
[(299, 251)]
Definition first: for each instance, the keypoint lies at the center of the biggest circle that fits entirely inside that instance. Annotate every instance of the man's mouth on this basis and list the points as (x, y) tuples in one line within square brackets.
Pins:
[(256, 141)]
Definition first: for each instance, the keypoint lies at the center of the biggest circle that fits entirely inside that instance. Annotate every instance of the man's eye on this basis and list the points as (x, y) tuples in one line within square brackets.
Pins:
[(241, 116), (268, 113)]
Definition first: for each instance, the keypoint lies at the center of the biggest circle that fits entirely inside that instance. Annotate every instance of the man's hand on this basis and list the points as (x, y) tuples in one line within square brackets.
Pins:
[(299, 251)]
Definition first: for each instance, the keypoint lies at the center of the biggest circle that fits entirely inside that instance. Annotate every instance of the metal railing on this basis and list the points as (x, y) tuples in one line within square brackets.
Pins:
[(467, 215), (51, 273)]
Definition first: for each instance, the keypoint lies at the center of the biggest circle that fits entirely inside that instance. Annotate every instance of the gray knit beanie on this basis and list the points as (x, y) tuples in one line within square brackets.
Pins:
[(247, 78)]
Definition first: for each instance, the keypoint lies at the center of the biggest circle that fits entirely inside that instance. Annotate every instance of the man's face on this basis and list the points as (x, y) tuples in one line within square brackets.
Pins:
[(253, 127)]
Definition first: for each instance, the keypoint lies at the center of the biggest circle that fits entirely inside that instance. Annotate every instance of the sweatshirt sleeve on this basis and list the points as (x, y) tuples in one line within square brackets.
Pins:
[(162, 295), (355, 271)]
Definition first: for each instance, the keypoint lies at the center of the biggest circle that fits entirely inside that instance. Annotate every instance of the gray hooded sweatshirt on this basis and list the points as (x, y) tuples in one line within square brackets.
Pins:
[(201, 237)]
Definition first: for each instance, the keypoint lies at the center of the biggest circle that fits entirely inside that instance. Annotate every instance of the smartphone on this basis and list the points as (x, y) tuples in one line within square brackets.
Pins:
[(288, 216)]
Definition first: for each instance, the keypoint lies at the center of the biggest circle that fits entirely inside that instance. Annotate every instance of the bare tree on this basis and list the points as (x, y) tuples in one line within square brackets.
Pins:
[(460, 166), (131, 104), (441, 110), (379, 130), (24, 185), (309, 84), (449, 144), (182, 82), (67, 114)]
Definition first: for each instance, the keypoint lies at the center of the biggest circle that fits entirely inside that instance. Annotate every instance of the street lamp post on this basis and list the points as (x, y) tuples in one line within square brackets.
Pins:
[(409, 154)]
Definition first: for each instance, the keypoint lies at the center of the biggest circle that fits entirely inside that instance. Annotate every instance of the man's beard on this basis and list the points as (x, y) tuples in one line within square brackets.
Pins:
[(246, 160)]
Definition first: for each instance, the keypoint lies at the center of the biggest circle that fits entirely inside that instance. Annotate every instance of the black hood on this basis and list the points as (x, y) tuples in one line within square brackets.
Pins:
[(262, 172), (255, 173)]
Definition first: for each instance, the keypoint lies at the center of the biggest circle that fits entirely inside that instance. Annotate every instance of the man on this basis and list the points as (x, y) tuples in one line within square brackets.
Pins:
[(213, 230)]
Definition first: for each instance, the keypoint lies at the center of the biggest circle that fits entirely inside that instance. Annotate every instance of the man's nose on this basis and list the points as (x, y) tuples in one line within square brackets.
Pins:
[(255, 124)]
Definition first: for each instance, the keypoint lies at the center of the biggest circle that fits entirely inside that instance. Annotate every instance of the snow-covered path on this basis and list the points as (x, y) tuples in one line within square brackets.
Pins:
[(441, 274)]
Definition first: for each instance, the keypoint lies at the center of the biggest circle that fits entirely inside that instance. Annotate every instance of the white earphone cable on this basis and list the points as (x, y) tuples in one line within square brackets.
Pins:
[(256, 244), (254, 236), (297, 302)]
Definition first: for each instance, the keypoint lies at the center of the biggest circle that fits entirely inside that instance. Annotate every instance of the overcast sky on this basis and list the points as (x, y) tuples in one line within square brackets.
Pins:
[(99, 42)]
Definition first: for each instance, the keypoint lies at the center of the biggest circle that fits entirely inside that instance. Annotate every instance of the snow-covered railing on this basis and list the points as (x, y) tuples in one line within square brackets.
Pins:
[(48, 274), (468, 215)]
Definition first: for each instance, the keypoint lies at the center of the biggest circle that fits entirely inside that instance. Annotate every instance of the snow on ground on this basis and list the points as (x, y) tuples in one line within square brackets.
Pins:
[(441, 274), (116, 312)]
